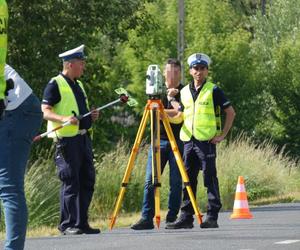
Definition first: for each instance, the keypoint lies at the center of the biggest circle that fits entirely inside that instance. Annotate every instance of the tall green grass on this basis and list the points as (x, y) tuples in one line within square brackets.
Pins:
[(110, 169), (268, 174), (42, 190)]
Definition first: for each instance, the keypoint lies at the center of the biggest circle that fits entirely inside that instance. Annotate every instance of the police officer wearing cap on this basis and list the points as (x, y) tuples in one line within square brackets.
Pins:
[(64, 99), (201, 104)]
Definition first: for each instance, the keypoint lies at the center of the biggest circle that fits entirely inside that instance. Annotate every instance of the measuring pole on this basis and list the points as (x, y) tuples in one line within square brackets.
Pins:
[(180, 37)]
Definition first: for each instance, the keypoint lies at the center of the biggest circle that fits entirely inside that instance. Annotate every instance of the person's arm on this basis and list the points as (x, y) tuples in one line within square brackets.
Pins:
[(50, 115), (171, 112), (229, 118), (171, 93), (175, 115)]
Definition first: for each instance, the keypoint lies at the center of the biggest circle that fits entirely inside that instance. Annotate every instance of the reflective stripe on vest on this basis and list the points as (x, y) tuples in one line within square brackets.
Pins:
[(3, 44), (199, 117), (65, 107)]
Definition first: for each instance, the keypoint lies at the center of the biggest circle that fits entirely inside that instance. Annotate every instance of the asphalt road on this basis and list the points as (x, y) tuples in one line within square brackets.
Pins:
[(273, 227)]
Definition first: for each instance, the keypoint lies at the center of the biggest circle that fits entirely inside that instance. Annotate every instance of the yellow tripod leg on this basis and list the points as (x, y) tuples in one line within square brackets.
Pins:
[(156, 167), (157, 206), (129, 167), (180, 164)]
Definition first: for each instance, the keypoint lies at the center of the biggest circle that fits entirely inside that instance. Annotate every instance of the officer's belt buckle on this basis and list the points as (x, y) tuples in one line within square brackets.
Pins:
[(82, 131)]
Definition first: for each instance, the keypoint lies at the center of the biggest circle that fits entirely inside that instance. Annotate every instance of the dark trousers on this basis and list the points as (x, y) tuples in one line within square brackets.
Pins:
[(166, 155), (17, 130), (74, 161), (198, 156)]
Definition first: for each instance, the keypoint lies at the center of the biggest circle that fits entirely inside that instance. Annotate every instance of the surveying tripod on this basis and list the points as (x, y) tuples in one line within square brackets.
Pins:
[(155, 108)]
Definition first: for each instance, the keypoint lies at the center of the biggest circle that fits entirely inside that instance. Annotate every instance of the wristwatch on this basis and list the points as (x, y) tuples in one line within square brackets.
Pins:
[(171, 98)]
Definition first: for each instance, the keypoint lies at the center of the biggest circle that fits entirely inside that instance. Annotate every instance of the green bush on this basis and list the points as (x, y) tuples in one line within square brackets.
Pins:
[(266, 172)]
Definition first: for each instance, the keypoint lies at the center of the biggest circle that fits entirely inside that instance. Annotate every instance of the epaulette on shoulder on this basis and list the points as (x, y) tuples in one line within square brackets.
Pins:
[(52, 81)]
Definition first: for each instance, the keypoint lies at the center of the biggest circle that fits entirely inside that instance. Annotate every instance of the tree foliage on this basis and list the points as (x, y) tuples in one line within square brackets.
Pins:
[(255, 57), (276, 45), (40, 30)]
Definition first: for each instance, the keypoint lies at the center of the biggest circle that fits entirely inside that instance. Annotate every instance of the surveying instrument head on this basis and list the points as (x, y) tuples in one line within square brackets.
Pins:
[(155, 87)]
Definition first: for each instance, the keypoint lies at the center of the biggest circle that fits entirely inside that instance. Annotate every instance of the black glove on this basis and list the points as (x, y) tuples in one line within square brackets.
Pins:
[(9, 85), (2, 108)]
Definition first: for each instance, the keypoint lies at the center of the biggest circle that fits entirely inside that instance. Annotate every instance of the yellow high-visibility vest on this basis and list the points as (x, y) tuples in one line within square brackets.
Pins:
[(199, 117), (3, 44), (65, 107)]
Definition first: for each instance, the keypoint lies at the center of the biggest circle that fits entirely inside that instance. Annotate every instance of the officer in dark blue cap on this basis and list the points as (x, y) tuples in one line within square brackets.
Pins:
[(201, 104), (64, 99)]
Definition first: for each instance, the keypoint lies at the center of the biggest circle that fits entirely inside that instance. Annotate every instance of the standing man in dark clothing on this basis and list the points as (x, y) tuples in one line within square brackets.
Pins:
[(172, 75), (64, 99), (201, 102)]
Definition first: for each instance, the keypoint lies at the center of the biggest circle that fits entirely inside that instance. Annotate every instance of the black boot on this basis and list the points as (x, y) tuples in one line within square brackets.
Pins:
[(180, 223), (209, 223), (89, 230), (143, 224)]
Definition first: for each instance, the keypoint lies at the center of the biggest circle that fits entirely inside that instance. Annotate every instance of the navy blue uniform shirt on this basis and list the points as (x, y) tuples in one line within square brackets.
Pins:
[(52, 96)]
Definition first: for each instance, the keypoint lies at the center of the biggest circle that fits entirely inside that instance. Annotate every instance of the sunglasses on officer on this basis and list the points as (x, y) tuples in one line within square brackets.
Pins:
[(199, 67)]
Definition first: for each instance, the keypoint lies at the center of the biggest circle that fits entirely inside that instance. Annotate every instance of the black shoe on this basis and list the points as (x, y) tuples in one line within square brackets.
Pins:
[(170, 220), (180, 223), (209, 223), (143, 224), (89, 230), (72, 231)]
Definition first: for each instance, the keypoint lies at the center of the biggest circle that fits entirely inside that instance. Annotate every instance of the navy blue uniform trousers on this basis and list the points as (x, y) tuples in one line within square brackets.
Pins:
[(201, 155), (74, 161)]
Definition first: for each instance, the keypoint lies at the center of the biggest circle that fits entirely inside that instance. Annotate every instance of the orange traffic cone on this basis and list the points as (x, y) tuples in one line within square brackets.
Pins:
[(240, 207)]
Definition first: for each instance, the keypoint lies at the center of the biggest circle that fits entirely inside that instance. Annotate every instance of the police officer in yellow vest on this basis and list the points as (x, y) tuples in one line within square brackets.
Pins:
[(64, 99), (3, 52), (201, 102)]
